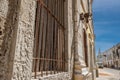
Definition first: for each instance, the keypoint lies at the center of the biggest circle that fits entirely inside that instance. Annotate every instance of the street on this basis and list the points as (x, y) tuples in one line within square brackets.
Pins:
[(108, 74)]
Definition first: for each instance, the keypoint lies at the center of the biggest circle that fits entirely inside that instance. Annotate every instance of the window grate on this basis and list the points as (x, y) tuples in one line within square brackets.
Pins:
[(49, 45)]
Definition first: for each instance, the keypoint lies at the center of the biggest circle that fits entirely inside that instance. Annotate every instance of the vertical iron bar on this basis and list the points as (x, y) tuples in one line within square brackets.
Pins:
[(46, 53), (36, 37), (40, 35), (50, 38), (62, 34), (42, 41), (56, 37), (44, 38), (52, 44), (65, 55), (53, 8)]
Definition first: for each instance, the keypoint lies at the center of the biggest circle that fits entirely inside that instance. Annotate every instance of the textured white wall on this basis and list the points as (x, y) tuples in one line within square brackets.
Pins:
[(22, 65)]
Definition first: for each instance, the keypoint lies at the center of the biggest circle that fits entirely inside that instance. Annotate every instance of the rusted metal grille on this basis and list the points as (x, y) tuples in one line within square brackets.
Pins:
[(49, 44)]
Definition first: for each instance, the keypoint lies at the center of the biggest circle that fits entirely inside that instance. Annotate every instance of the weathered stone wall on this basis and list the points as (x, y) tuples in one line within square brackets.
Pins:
[(80, 67), (8, 21), (24, 44), (69, 34), (78, 50), (16, 39), (17, 19), (3, 15)]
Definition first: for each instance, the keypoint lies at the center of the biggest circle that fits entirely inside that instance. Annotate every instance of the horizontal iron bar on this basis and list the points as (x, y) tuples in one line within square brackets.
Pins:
[(49, 59)]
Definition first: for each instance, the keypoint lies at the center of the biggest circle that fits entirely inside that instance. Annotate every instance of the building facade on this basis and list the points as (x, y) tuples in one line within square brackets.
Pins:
[(46, 40), (111, 57)]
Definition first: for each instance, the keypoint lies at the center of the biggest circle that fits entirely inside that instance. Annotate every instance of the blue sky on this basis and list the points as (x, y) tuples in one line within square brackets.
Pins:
[(106, 15)]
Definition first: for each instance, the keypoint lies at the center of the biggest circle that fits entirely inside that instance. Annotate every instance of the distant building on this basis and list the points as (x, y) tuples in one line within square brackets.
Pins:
[(111, 57)]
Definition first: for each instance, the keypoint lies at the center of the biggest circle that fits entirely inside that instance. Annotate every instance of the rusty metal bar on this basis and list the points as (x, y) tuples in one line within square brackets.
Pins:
[(63, 32), (41, 23), (44, 31), (46, 42), (58, 39), (49, 38), (50, 12), (48, 59), (62, 3), (43, 41), (60, 35), (60, 51), (54, 37), (50, 66), (36, 40)]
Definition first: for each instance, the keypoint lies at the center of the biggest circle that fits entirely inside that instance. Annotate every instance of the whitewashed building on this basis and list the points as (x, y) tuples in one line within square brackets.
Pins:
[(111, 57)]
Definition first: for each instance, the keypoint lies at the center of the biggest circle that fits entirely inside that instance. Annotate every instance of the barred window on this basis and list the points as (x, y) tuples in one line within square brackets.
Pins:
[(49, 44)]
